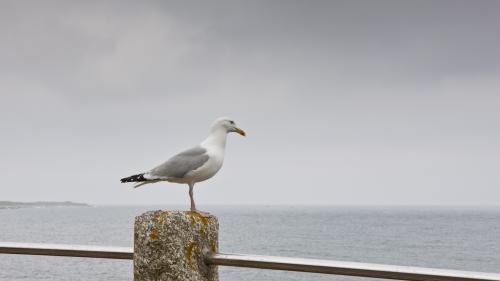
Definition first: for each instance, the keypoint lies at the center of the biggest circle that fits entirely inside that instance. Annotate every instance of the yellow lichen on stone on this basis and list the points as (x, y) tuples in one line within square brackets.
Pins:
[(189, 251), (154, 234), (193, 221), (213, 247), (159, 218), (197, 217)]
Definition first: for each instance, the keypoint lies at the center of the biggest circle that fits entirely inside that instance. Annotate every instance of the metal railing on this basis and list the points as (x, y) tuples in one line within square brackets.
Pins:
[(82, 251), (264, 262)]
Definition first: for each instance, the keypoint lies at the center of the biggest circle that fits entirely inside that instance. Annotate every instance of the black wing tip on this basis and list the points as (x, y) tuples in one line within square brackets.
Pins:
[(134, 178)]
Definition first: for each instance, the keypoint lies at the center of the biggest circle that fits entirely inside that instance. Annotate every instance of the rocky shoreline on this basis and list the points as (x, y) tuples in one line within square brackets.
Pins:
[(39, 204)]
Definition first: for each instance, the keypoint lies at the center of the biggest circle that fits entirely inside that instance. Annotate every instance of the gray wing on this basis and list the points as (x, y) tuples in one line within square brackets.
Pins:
[(179, 165)]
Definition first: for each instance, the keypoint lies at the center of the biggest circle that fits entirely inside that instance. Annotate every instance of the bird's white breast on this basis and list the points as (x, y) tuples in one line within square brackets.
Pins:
[(211, 167)]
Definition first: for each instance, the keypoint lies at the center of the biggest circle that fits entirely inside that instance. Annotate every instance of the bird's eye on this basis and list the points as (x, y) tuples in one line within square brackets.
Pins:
[(232, 122)]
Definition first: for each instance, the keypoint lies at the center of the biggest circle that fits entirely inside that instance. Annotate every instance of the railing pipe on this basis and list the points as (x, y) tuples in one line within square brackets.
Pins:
[(349, 268), (124, 253)]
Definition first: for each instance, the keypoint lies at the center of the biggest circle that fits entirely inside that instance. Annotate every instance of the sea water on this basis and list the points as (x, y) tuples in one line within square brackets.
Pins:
[(453, 238)]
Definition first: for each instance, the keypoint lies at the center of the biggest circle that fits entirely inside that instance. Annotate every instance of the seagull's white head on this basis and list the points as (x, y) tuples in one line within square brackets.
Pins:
[(228, 125)]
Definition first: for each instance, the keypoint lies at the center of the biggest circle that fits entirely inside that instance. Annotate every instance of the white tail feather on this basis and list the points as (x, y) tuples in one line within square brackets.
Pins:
[(144, 182)]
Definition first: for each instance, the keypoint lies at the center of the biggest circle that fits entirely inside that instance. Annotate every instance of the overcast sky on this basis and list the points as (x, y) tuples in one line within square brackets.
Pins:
[(344, 102)]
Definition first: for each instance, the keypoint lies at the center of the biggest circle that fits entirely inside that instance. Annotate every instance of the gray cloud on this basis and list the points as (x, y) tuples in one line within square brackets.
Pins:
[(346, 102)]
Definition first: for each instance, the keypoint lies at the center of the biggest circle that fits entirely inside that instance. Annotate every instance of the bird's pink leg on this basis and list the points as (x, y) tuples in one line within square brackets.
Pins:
[(193, 205)]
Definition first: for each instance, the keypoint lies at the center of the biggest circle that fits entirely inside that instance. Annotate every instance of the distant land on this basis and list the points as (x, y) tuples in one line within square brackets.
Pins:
[(39, 204)]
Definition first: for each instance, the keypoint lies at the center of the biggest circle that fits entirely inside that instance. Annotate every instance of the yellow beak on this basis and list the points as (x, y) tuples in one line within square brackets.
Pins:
[(240, 131)]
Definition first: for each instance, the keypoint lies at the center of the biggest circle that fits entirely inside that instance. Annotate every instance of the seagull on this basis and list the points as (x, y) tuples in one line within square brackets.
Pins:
[(195, 164)]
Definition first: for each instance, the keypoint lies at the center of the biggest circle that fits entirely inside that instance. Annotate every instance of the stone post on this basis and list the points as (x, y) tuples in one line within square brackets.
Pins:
[(170, 246)]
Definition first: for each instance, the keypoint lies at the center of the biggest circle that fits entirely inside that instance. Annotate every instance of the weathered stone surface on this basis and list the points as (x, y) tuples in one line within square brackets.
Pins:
[(169, 245)]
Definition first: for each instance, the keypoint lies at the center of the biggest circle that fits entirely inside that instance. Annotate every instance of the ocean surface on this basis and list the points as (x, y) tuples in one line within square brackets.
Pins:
[(454, 238)]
